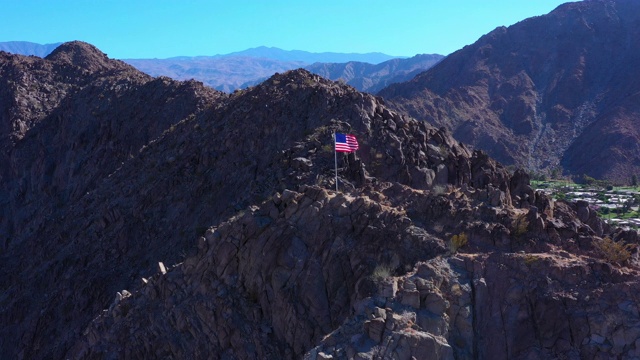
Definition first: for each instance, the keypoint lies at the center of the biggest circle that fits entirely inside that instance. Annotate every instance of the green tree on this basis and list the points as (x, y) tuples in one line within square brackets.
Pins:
[(588, 179)]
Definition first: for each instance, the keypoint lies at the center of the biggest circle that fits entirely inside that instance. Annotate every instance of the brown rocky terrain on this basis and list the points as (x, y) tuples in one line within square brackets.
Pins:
[(150, 218), (552, 91), (302, 269)]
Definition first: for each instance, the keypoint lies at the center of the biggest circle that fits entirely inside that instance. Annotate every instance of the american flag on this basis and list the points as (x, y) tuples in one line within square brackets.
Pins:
[(346, 143)]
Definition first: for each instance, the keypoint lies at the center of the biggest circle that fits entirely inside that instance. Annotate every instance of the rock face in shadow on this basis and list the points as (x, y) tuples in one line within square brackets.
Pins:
[(150, 218), (318, 274), (551, 91), (278, 279), (66, 127)]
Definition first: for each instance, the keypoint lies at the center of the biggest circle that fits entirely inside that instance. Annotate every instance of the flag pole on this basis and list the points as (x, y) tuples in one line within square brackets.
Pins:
[(335, 159)]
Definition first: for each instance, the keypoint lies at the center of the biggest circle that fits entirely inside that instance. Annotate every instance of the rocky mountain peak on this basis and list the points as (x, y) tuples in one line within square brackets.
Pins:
[(296, 79), (84, 55)]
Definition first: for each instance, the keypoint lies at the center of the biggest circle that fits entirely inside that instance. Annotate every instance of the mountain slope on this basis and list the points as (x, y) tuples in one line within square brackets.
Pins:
[(551, 91), (69, 122)]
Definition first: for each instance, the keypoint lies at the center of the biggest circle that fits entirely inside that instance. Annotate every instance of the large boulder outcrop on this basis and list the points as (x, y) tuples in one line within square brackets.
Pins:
[(329, 275)]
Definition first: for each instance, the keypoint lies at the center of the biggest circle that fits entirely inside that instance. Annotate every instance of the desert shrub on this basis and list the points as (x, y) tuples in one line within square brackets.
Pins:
[(443, 150), (376, 158), (381, 272), (438, 190), (530, 259), (458, 241), (520, 225), (612, 251), (407, 319)]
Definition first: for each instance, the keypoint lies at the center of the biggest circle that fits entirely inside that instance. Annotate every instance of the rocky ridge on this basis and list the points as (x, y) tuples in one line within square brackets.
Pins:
[(553, 91), (306, 269), (231, 242)]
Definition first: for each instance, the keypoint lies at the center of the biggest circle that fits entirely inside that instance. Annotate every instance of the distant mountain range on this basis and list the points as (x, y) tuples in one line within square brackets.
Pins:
[(366, 72), (305, 56), (373, 77), (221, 73), (28, 48)]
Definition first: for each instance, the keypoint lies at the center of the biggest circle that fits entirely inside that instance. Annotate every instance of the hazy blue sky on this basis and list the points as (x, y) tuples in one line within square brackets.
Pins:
[(162, 28)]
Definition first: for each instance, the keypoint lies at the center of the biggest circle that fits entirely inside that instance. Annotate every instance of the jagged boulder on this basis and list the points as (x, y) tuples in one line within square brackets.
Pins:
[(504, 306), (298, 264)]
